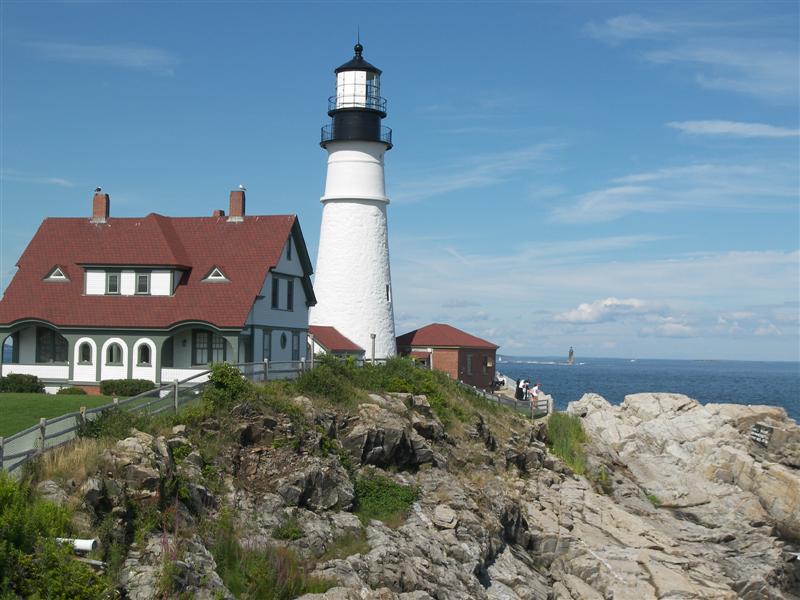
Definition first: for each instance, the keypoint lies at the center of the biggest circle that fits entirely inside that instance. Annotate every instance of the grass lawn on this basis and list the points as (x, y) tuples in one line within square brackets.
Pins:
[(18, 411)]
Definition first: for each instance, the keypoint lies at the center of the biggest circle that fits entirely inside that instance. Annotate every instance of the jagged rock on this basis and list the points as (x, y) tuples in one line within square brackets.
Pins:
[(383, 438), (342, 593), (193, 569), (526, 459), (420, 404), (49, 490), (444, 517), (92, 493), (317, 483)]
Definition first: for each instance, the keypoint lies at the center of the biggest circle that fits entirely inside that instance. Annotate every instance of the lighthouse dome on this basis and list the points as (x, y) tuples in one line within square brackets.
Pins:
[(357, 63)]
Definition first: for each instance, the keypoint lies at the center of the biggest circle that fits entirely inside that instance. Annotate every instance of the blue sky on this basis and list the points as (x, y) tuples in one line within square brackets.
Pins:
[(618, 177)]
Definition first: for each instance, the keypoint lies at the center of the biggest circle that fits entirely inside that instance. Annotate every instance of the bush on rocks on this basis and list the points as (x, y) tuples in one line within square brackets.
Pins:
[(123, 388), (378, 497), (18, 383)]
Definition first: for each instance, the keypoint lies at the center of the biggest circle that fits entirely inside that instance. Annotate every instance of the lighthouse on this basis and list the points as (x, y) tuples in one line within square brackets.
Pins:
[(353, 283)]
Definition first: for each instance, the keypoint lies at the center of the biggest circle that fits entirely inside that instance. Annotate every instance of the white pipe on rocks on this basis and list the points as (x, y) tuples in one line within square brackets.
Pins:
[(79, 545)]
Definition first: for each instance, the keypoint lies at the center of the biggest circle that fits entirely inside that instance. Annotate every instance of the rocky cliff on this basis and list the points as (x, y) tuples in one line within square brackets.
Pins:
[(675, 501)]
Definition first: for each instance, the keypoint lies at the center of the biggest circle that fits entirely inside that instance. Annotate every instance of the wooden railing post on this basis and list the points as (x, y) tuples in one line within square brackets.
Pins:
[(82, 416), (302, 364), (175, 392), (1, 452), (42, 433), (266, 369)]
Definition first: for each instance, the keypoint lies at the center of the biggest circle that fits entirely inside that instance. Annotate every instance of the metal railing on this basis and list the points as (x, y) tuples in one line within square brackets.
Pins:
[(328, 134), (537, 407), (25, 445), (355, 100)]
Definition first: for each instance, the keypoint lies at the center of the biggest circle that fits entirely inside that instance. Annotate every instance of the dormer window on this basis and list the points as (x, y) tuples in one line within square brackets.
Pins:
[(112, 283), (56, 274), (143, 283), (215, 274)]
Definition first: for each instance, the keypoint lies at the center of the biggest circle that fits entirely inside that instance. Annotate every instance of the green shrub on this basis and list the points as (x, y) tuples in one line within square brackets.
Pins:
[(654, 500), (32, 565), (378, 497), (565, 436), (268, 573), (71, 391), (228, 385), (113, 423), (288, 530), (123, 388), (18, 383), (326, 381)]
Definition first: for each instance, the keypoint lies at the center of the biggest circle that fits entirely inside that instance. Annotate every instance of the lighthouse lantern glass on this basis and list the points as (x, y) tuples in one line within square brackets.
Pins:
[(358, 89)]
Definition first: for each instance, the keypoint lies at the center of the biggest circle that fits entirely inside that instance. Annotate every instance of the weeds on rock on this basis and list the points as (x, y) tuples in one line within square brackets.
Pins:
[(378, 497), (565, 436), (654, 500), (345, 546), (268, 573), (288, 530)]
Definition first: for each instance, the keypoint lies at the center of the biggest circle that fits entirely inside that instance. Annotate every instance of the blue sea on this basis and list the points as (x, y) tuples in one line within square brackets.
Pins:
[(738, 382)]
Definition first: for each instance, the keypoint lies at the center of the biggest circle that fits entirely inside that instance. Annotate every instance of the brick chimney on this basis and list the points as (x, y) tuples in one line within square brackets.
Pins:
[(236, 212), (101, 205), (218, 213)]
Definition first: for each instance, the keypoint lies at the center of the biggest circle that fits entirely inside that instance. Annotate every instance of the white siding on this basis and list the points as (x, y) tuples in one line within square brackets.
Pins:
[(127, 286), (169, 375), (141, 371), (41, 371), (95, 282), (160, 282), (113, 371), (84, 372)]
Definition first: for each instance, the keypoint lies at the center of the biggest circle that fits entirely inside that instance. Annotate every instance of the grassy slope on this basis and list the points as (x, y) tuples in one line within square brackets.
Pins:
[(18, 411)]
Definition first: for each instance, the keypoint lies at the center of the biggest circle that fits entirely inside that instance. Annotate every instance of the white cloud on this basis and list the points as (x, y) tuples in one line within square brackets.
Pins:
[(8, 175), (767, 328), (669, 328), (724, 55), (763, 187), (142, 58), (473, 172), (756, 67), (734, 129), (601, 311), (630, 27)]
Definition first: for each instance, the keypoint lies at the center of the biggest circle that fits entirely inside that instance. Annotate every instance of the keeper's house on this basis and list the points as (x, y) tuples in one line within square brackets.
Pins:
[(155, 297), (443, 347)]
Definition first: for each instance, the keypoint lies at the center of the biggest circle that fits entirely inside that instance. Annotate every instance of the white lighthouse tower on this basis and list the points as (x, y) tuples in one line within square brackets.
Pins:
[(353, 282)]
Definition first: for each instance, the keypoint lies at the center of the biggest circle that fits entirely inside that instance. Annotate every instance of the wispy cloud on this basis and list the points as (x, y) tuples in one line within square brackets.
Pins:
[(141, 58), (707, 186), (756, 67), (473, 172), (734, 129), (8, 175), (724, 55)]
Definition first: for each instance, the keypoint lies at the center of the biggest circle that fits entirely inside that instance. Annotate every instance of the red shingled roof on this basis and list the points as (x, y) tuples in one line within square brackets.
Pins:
[(245, 251), (441, 334), (330, 338)]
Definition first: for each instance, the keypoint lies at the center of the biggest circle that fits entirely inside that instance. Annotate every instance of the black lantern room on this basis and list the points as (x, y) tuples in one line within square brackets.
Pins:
[(357, 108)]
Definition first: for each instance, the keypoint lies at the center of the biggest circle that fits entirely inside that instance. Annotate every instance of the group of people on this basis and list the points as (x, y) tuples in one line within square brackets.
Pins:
[(525, 392)]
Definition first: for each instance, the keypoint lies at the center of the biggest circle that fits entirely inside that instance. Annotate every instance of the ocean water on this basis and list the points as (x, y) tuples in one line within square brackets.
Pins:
[(737, 382)]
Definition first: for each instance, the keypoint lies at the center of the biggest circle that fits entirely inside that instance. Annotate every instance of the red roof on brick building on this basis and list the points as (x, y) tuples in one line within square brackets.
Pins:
[(245, 251), (330, 338), (442, 335)]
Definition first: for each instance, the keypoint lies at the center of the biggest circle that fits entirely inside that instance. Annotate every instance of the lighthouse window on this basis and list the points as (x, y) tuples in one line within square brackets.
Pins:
[(388, 293)]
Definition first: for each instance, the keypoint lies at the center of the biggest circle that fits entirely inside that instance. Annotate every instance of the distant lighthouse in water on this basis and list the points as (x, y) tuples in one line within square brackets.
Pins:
[(353, 282)]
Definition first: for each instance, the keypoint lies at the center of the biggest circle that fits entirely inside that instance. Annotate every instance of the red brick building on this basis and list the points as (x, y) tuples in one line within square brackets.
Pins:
[(458, 353)]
